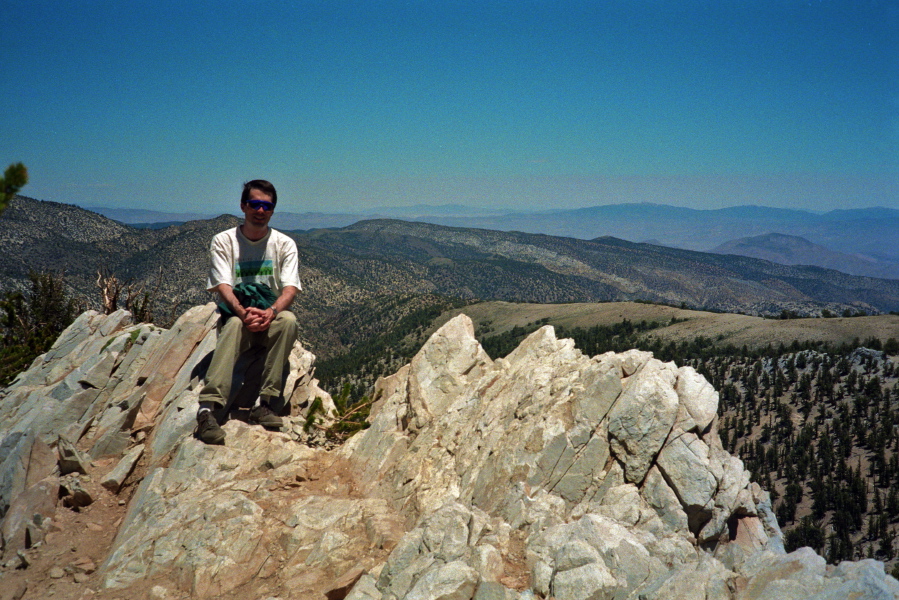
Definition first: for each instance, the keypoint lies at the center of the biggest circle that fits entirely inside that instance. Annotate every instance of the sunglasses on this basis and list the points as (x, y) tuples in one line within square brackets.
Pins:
[(263, 204)]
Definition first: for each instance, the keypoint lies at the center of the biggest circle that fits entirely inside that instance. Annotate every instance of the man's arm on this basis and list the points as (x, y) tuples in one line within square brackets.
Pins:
[(285, 299), (226, 293)]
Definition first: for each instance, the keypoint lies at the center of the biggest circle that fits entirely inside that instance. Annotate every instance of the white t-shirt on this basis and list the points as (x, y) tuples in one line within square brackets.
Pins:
[(236, 259)]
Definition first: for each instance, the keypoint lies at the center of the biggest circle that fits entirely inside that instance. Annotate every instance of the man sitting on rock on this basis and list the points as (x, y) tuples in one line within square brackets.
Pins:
[(256, 275)]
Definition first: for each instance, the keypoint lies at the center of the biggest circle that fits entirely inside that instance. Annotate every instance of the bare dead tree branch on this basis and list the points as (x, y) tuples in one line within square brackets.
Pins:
[(110, 290)]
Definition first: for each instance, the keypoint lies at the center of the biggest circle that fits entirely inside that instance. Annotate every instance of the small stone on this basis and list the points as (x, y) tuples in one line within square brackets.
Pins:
[(73, 492), (81, 577), (84, 565), (342, 586), (71, 459), (116, 478), (56, 573), (16, 593), (157, 592)]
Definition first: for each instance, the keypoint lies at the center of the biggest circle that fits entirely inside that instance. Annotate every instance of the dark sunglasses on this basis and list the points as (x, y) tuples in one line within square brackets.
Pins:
[(263, 204)]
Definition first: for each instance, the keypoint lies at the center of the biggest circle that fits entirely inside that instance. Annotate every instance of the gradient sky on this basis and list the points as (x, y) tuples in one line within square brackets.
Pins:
[(347, 106)]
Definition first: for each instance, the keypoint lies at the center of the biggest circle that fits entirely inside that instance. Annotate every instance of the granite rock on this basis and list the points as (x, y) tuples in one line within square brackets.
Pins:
[(545, 473)]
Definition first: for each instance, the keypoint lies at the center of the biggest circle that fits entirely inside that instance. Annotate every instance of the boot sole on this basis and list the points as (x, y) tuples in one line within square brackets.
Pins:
[(214, 441)]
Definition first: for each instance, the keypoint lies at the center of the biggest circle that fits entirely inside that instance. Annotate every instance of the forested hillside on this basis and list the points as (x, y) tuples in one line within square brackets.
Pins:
[(819, 428)]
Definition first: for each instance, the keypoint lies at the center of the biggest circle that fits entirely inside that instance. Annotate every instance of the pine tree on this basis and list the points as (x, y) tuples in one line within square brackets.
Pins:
[(892, 506), (29, 324), (14, 178), (886, 545)]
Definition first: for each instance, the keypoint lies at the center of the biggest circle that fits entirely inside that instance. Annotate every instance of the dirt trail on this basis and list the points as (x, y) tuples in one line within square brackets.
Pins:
[(64, 565)]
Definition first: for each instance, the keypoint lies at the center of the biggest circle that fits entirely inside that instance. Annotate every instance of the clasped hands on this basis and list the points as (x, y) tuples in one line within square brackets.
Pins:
[(257, 319)]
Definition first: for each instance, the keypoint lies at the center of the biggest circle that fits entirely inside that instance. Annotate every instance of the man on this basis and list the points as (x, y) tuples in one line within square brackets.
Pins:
[(255, 272)]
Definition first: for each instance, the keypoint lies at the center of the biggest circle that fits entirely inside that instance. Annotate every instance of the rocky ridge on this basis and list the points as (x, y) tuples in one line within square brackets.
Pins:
[(546, 474)]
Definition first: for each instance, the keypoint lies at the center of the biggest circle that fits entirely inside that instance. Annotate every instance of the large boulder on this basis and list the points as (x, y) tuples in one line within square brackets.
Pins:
[(544, 474), (107, 388), (605, 474)]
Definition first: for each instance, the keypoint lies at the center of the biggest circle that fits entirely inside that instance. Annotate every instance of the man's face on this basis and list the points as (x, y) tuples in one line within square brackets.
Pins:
[(258, 217)]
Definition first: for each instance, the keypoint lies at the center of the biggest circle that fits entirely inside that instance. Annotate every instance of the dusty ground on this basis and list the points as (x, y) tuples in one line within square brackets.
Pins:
[(64, 565), (75, 546)]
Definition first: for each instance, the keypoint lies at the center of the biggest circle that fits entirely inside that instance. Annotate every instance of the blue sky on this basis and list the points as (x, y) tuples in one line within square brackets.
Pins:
[(347, 106)]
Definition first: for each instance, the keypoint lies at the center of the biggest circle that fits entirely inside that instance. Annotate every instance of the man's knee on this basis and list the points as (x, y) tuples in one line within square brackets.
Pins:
[(230, 326), (286, 316), (231, 333), (286, 321)]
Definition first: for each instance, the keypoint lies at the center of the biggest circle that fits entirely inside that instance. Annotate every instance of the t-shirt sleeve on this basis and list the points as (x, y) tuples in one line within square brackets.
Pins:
[(222, 269), (290, 266)]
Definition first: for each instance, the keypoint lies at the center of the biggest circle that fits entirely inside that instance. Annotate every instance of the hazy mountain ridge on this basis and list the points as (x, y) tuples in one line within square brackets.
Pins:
[(625, 270), (795, 250), (60, 237), (39, 235), (873, 232), (367, 266), (131, 216)]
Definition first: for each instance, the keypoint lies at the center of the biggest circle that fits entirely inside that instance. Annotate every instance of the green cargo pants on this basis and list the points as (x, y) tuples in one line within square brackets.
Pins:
[(233, 340)]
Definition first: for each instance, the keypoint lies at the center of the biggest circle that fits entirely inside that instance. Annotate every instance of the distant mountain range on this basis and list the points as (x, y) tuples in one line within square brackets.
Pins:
[(360, 277), (306, 220), (869, 235), (794, 250), (140, 216)]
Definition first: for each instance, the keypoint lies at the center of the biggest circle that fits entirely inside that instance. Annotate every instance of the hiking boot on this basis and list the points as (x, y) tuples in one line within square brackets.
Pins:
[(263, 415), (208, 430)]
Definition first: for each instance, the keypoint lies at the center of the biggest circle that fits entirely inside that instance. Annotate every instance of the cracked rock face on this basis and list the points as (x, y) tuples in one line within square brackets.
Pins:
[(609, 469), (544, 474), (546, 433)]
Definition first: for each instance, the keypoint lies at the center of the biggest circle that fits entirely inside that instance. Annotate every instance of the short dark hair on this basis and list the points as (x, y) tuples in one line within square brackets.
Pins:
[(263, 186)]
